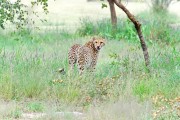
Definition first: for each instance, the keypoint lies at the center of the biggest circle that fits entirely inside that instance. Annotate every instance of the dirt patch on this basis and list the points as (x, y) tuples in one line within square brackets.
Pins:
[(30, 116), (126, 109)]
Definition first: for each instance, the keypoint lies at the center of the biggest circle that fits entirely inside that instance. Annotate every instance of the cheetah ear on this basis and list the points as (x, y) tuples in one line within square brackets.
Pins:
[(103, 37), (104, 43), (93, 38)]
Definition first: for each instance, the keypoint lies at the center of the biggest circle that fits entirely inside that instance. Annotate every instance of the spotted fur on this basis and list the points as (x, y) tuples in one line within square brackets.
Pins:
[(72, 55), (85, 55)]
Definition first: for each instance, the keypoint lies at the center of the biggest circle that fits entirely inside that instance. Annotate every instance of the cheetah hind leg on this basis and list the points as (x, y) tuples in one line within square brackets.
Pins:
[(80, 67), (72, 63)]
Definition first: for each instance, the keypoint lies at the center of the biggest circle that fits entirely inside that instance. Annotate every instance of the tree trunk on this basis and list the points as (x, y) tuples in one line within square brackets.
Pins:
[(113, 14), (138, 29)]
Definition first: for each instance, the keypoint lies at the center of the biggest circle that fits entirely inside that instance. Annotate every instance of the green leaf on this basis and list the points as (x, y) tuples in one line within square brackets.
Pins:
[(104, 5)]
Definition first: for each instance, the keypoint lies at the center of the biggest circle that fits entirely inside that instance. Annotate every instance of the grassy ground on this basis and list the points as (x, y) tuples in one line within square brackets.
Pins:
[(29, 68), (120, 88)]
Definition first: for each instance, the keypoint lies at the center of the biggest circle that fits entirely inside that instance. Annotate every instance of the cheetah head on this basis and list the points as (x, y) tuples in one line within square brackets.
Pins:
[(98, 43)]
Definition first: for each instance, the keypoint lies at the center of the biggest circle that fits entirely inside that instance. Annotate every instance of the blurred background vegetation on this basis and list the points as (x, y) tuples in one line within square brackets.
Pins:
[(31, 55)]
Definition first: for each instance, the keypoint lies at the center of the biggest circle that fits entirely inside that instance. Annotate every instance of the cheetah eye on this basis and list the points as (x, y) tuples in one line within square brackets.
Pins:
[(96, 42), (101, 42)]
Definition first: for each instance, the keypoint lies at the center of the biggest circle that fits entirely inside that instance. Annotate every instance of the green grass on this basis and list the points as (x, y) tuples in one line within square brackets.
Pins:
[(35, 107), (155, 27), (29, 61)]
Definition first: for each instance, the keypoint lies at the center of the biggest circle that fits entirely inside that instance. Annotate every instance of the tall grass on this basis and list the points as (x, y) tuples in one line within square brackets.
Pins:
[(29, 61), (29, 71)]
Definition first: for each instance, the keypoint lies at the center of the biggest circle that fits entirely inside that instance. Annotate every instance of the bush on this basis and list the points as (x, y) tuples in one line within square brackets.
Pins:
[(103, 28), (160, 5), (155, 28)]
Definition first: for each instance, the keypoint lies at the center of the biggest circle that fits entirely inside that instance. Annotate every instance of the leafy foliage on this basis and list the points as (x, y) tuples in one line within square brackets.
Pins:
[(17, 12)]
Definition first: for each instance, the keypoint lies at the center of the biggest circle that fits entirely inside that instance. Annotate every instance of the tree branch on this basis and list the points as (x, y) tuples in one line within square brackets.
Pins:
[(138, 29)]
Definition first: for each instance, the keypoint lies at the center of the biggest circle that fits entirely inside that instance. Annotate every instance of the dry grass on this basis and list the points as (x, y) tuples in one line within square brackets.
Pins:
[(124, 109), (166, 108)]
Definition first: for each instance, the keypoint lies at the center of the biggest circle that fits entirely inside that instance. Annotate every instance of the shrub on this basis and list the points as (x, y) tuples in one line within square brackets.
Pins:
[(155, 27), (160, 5)]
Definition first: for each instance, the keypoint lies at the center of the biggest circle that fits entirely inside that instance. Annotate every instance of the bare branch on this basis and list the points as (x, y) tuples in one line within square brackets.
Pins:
[(138, 29)]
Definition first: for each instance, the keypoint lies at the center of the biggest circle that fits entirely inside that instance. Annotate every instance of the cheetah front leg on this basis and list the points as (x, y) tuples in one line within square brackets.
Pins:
[(93, 66)]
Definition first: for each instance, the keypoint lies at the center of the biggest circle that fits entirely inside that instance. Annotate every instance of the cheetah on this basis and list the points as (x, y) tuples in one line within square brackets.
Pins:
[(85, 56)]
